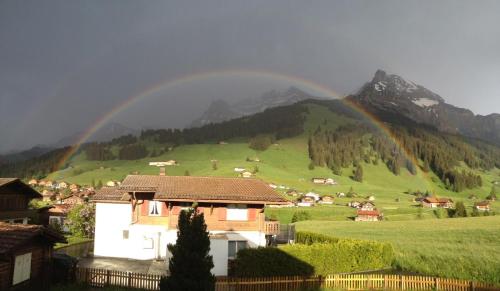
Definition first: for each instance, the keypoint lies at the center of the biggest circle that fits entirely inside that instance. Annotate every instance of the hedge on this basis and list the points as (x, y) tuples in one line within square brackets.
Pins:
[(318, 258), (307, 237)]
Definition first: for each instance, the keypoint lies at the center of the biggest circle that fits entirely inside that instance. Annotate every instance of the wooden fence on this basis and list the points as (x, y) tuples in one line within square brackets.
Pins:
[(101, 278)]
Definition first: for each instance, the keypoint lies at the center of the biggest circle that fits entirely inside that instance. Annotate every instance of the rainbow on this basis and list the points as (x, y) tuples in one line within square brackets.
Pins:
[(187, 79)]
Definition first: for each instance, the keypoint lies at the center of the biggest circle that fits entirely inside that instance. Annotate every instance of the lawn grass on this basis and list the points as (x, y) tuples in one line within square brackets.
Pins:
[(71, 241), (465, 248)]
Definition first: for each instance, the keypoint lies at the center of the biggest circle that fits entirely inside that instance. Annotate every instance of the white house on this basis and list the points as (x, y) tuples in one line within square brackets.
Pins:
[(138, 219), (313, 195)]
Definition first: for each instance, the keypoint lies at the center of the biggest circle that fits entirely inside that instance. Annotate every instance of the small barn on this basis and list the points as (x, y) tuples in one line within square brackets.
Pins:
[(482, 206), (26, 255), (327, 199), (368, 215)]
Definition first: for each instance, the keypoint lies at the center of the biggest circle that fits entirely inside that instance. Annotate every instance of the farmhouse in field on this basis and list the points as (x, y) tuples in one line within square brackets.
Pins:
[(434, 202), (366, 205), (26, 255), (14, 198), (306, 201), (318, 180), (326, 199), (145, 211), (246, 174), (239, 169), (482, 206), (33, 182), (368, 215)]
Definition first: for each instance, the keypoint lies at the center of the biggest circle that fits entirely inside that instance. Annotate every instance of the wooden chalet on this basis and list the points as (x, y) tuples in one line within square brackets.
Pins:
[(14, 199), (368, 215), (26, 255), (434, 202), (482, 206), (326, 199), (146, 208)]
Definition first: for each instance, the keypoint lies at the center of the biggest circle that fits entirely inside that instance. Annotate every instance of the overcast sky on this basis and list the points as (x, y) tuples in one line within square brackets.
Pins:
[(63, 64)]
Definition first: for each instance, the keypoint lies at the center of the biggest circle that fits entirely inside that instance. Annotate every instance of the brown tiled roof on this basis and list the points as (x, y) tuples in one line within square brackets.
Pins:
[(437, 200), (110, 194), (60, 208), (14, 235), (368, 212), (191, 188), (482, 203)]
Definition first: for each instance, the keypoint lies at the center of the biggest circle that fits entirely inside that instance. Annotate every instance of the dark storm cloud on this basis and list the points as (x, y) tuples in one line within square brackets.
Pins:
[(63, 64)]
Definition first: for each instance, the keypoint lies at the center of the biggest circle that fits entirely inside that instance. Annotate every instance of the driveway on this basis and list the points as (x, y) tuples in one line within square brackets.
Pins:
[(126, 265)]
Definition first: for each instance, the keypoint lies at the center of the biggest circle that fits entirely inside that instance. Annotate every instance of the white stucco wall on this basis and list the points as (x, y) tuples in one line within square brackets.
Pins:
[(218, 250), (146, 242), (111, 220)]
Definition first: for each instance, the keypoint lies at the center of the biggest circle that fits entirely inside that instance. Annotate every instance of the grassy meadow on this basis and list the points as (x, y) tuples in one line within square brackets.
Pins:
[(466, 248)]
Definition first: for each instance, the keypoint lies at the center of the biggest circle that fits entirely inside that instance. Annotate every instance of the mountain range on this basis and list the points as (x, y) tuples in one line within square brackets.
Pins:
[(387, 93), (221, 110)]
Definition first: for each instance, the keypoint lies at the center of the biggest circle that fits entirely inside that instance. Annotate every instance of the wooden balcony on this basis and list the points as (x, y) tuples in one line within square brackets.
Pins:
[(271, 227)]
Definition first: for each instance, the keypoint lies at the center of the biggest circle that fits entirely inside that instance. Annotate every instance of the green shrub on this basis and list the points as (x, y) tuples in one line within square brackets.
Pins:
[(301, 216), (266, 262), (314, 257), (308, 238)]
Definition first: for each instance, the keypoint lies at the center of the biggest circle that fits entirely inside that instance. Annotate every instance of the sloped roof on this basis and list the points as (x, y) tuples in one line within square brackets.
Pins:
[(24, 188), (110, 194), (15, 235), (191, 188), (368, 212), (482, 203)]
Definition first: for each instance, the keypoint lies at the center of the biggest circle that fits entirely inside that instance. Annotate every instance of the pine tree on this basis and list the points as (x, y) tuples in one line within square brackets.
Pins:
[(460, 210), (358, 174), (190, 263)]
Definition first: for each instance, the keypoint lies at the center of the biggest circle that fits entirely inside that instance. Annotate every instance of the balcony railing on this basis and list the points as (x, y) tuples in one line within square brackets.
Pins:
[(272, 227)]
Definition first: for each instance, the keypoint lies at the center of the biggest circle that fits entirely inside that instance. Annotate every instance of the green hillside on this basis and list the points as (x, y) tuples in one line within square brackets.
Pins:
[(285, 163)]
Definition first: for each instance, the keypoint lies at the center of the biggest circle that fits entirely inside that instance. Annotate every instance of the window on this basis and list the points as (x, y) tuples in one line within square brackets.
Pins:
[(233, 246), (22, 268), (154, 208), (237, 212)]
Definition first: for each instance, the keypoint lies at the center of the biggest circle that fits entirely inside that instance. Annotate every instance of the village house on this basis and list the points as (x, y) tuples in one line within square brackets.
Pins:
[(56, 215), (327, 199), (330, 181), (434, 202), (306, 201), (292, 192), (239, 169), (145, 211), (313, 195), (368, 215), (341, 194), (26, 255), (246, 174), (33, 182), (74, 188), (318, 180), (14, 199), (48, 195), (41, 183), (366, 205), (49, 184), (482, 206), (61, 185), (354, 204), (71, 200)]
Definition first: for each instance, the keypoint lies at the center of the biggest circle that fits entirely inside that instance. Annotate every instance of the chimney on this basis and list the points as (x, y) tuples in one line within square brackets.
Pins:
[(162, 171)]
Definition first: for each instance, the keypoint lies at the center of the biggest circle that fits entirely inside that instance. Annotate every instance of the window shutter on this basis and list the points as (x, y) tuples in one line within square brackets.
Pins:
[(176, 210), (145, 208), (222, 213), (252, 214), (164, 209)]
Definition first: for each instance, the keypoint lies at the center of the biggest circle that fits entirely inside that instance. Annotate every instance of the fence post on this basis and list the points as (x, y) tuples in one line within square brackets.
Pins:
[(368, 282), (87, 276), (129, 279), (472, 286), (108, 277), (436, 283), (401, 282)]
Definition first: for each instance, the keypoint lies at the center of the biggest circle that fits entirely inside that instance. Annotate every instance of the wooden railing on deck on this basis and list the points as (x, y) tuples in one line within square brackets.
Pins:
[(272, 227)]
